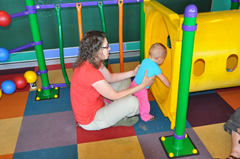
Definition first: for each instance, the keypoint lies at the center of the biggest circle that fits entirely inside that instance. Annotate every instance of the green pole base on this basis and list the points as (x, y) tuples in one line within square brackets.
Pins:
[(54, 94), (171, 151)]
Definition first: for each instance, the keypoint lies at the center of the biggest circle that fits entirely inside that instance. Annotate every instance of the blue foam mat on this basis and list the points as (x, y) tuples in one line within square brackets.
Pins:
[(63, 103)]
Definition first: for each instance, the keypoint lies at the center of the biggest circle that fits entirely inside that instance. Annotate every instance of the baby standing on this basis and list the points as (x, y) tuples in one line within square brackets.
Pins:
[(157, 55)]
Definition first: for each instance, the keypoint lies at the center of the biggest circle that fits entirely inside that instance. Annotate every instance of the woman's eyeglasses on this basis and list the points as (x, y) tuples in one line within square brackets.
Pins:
[(105, 47)]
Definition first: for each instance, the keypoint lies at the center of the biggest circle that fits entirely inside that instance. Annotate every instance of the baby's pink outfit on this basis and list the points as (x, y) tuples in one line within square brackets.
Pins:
[(144, 105)]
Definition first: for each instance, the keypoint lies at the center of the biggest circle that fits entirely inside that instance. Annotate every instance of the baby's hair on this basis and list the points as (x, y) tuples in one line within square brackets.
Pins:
[(157, 50)]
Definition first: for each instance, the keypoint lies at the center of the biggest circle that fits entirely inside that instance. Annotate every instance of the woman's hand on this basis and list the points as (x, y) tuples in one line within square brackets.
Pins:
[(148, 81), (136, 70)]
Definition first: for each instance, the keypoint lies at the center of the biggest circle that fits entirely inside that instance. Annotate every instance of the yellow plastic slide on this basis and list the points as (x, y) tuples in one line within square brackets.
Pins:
[(216, 48)]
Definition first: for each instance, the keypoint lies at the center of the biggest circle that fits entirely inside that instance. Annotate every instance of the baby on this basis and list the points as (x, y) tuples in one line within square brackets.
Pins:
[(157, 55)]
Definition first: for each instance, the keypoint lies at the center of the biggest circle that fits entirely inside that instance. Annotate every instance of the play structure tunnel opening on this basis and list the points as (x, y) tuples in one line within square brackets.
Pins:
[(158, 27), (199, 65), (232, 62)]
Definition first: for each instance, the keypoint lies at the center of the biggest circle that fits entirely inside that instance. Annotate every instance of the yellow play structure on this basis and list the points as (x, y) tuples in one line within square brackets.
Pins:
[(216, 48)]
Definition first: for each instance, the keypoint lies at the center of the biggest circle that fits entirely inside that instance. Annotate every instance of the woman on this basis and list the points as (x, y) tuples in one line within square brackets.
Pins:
[(232, 126), (90, 86)]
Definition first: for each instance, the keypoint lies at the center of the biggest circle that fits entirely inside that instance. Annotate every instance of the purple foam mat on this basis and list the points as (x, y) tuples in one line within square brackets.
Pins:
[(152, 148), (46, 131)]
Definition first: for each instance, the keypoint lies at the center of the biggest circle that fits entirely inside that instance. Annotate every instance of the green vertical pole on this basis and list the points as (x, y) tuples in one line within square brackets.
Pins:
[(100, 5), (189, 27), (39, 49), (234, 4), (142, 31), (60, 32), (180, 144)]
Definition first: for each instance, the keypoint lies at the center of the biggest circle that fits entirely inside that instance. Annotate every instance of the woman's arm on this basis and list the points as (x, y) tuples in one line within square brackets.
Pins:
[(115, 77), (106, 90)]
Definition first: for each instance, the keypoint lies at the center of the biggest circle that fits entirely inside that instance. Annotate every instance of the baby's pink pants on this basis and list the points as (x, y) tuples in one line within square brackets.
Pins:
[(144, 105)]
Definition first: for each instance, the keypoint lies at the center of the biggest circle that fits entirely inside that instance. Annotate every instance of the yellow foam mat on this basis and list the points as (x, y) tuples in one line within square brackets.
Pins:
[(13, 105), (55, 77), (215, 139), (121, 148), (128, 66), (9, 130)]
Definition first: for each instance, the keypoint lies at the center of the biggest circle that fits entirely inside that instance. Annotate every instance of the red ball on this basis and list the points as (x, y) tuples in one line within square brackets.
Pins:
[(5, 18), (20, 82)]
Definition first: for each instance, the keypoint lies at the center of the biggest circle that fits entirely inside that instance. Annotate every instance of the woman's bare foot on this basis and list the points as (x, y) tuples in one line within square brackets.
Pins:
[(232, 157), (235, 154)]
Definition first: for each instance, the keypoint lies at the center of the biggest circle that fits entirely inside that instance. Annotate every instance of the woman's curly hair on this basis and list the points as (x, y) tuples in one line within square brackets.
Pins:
[(89, 48)]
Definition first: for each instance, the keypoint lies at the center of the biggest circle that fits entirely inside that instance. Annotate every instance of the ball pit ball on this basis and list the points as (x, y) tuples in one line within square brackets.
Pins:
[(5, 18), (8, 87), (30, 76), (4, 54), (0, 93), (20, 82)]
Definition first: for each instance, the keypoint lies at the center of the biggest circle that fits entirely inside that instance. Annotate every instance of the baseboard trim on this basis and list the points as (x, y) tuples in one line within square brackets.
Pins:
[(129, 56)]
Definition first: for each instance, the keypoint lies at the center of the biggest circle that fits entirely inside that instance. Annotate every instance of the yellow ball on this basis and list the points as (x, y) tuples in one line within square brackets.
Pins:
[(185, 135), (171, 154), (163, 138), (56, 88), (39, 89), (194, 151), (55, 96), (30, 76), (0, 93), (37, 98)]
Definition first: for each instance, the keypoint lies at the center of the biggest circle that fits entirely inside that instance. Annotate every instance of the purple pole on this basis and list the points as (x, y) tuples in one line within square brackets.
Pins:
[(23, 13), (32, 9), (20, 48), (25, 46), (18, 14), (94, 3), (54, 85), (60, 85)]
